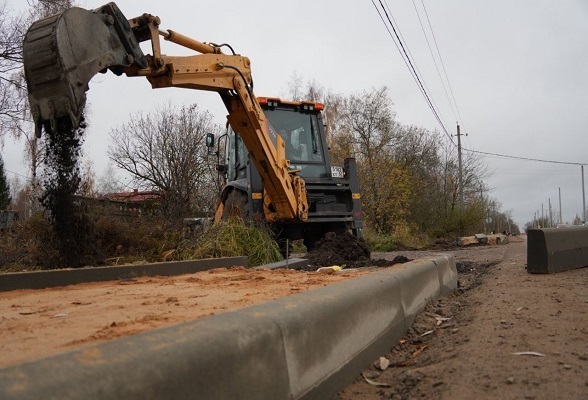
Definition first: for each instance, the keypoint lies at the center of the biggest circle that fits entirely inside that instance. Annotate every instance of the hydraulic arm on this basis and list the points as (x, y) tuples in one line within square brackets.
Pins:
[(63, 52)]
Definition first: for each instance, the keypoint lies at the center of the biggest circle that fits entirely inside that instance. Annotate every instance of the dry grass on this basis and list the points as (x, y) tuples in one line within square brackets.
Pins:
[(32, 245), (401, 238), (234, 238)]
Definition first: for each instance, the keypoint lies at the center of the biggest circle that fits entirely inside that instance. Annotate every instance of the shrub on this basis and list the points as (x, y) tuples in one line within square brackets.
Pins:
[(234, 237), (402, 238), (33, 245)]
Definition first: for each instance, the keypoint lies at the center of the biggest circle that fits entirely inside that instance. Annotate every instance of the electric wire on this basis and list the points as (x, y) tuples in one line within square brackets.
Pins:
[(415, 74), (411, 56), (405, 53), (530, 173), (522, 158), (434, 59), (395, 43), (16, 173), (441, 59), (410, 64)]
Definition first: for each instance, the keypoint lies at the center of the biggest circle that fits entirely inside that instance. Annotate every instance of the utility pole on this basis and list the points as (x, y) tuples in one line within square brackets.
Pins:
[(560, 218), (539, 221), (482, 199), (550, 215), (460, 180), (583, 195)]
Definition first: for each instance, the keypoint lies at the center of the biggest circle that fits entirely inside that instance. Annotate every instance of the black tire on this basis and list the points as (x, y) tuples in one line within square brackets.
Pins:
[(236, 206), (309, 239)]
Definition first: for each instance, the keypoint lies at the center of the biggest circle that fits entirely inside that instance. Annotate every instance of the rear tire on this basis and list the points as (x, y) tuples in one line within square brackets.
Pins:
[(309, 239), (236, 206)]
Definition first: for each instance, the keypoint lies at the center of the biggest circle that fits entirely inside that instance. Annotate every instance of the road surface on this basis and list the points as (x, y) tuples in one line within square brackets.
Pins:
[(465, 346)]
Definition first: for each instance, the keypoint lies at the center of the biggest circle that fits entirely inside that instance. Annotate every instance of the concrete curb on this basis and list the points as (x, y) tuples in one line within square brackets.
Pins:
[(305, 346), (64, 277), (556, 250), (291, 263), (447, 273)]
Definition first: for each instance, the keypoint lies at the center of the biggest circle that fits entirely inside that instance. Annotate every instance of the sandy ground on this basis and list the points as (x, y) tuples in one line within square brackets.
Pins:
[(40, 323), (464, 346), (460, 347)]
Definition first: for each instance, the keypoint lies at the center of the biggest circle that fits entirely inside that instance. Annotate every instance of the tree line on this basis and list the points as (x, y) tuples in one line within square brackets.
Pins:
[(409, 175)]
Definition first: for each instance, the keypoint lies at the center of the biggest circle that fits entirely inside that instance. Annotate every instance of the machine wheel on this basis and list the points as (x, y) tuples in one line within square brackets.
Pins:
[(309, 239), (236, 206)]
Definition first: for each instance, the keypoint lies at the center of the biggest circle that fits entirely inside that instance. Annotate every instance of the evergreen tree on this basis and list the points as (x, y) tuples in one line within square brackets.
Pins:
[(5, 198)]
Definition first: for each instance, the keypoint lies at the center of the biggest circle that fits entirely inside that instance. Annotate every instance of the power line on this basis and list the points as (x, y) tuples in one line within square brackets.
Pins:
[(523, 158), (433, 57), (397, 46), (16, 173), (410, 54), (532, 173), (415, 74), (410, 64), (442, 63)]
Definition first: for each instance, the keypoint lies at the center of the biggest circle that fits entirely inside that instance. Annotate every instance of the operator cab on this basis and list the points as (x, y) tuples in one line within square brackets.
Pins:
[(300, 126)]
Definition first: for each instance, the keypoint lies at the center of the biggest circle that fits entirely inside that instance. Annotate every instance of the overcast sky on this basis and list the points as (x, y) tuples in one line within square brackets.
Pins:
[(518, 71)]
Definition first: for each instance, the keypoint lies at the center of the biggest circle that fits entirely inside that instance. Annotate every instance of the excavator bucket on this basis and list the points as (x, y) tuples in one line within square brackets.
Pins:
[(63, 52)]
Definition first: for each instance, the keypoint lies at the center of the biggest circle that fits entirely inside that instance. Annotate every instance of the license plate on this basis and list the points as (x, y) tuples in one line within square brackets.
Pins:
[(337, 172)]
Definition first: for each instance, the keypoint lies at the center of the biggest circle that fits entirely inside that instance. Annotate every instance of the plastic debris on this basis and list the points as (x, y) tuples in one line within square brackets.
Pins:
[(330, 270), (374, 383), (529, 353), (440, 319)]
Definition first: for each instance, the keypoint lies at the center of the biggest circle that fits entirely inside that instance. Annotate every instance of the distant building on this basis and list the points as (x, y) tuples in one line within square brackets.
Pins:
[(135, 203)]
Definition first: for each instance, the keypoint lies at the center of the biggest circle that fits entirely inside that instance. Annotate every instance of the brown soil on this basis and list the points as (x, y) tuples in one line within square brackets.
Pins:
[(460, 347), (73, 230), (40, 323), (463, 346), (345, 250)]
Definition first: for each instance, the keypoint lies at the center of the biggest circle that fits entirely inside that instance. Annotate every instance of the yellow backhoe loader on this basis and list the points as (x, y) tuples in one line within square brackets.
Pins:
[(277, 166)]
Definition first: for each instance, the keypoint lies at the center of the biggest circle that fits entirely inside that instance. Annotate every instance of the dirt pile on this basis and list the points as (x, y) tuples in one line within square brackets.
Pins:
[(344, 250), (74, 231)]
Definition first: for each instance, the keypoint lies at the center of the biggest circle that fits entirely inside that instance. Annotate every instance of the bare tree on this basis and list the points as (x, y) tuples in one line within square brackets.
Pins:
[(165, 151), (15, 117), (108, 182), (88, 179), (296, 87), (408, 175), (369, 121), (44, 8), (369, 116), (14, 114), (12, 102)]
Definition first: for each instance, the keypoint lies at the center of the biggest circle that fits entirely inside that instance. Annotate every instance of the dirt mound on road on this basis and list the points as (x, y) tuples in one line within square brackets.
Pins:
[(345, 250)]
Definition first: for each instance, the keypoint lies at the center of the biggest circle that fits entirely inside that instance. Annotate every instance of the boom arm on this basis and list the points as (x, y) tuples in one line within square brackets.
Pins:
[(63, 52)]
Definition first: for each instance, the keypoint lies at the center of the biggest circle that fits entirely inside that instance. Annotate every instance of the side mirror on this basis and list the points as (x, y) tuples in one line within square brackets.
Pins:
[(210, 140)]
